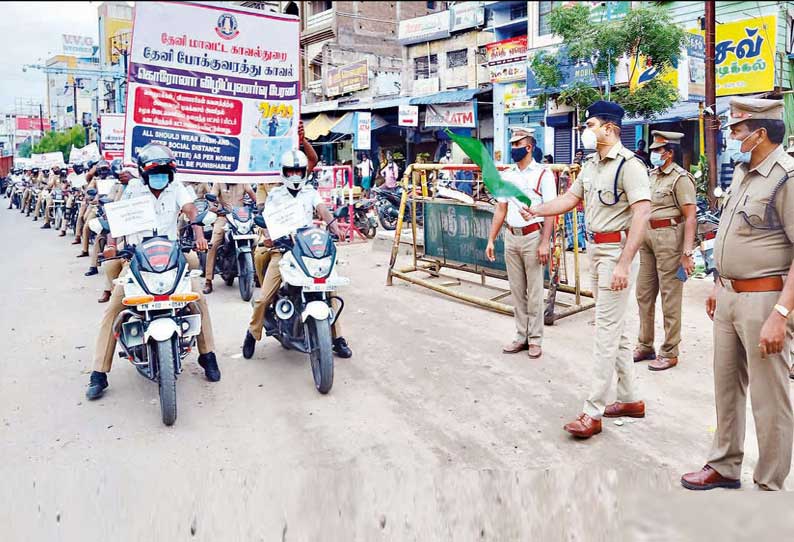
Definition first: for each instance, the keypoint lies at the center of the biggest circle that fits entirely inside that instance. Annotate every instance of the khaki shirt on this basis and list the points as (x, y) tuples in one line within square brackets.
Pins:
[(262, 190), (598, 175), (229, 194), (201, 189), (117, 191), (671, 189), (742, 251)]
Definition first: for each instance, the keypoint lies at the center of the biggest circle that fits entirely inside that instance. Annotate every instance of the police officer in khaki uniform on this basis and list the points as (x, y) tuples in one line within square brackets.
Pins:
[(751, 300), (526, 242), (229, 196), (45, 197), (666, 250), (36, 180), (614, 185)]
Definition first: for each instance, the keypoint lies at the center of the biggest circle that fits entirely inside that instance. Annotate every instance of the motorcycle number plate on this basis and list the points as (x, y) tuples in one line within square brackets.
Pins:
[(319, 288), (160, 305), (249, 236)]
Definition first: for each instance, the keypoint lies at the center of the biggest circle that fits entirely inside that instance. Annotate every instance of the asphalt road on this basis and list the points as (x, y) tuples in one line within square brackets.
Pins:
[(430, 433)]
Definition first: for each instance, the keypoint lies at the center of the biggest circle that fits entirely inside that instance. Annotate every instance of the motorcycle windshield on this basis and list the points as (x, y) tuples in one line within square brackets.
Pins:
[(241, 214), (315, 242), (157, 254)]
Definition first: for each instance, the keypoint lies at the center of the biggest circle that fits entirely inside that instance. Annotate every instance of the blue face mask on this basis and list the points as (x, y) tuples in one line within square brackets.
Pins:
[(656, 159), (518, 154), (158, 181), (734, 149)]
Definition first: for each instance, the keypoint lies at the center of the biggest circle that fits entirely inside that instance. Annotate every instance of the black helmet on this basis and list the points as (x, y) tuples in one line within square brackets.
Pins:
[(46, 171), (103, 169), (116, 166), (91, 163), (156, 158), (34, 171), (78, 168)]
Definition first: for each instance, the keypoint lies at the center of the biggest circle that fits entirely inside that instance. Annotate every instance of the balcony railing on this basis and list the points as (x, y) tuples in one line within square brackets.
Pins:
[(319, 20)]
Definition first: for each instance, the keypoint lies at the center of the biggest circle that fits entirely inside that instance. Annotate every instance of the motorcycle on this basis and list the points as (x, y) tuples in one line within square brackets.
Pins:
[(58, 208), (235, 258), (99, 225), (388, 204), (158, 329), (17, 193), (365, 217), (301, 315), (206, 216)]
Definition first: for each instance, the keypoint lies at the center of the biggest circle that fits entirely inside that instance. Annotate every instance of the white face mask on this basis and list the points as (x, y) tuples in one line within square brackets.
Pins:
[(589, 139), (294, 182)]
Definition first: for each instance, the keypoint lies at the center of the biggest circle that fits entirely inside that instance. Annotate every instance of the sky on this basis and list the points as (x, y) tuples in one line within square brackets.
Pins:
[(30, 32)]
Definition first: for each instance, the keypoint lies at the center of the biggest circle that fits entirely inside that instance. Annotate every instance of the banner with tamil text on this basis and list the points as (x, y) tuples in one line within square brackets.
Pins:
[(219, 86)]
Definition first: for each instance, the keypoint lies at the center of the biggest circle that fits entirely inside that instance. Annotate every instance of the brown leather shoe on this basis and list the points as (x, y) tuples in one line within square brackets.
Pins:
[(584, 426), (535, 351), (515, 347), (627, 410), (661, 363), (62, 234), (207, 287), (708, 478), (640, 354), (76, 241), (105, 297), (83, 255)]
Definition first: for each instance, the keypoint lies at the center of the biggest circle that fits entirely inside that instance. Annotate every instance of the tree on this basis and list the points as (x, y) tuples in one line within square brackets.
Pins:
[(645, 33), (61, 141), (25, 149)]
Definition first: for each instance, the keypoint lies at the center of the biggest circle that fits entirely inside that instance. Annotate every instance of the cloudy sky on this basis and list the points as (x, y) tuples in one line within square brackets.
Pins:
[(30, 32)]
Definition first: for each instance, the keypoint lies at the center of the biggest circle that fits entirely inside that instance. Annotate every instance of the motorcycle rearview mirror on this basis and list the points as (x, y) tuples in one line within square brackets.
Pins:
[(91, 192), (259, 220), (211, 197)]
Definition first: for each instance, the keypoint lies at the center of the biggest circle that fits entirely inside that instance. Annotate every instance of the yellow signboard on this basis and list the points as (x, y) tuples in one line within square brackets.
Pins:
[(641, 73)]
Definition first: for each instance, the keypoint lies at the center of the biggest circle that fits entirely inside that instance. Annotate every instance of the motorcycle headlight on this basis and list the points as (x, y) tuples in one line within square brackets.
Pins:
[(318, 268), (159, 283), (242, 228)]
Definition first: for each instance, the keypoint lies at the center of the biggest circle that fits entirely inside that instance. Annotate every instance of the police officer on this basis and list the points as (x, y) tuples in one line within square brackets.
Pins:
[(113, 268), (36, 179), (526, 242), (101, 171), (751, 300), (45, 196), (230, 195), (666, 251), (614, 185)]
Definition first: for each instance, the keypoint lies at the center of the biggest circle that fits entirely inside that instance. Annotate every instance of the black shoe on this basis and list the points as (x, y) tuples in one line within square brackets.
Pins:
[(210, 366), (91, 272), (96, 389), (46, 227), (248, 345), (341, 348), (35, 218)]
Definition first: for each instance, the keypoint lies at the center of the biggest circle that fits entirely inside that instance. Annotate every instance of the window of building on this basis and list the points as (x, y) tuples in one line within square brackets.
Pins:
[(426, 67), (519, 11), (456, 59), (544, 10), (320, 6), (431, 5)]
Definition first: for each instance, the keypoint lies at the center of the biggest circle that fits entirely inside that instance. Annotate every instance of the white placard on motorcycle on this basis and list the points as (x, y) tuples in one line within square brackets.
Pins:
[(130, 216), (77, 181), (104, 186), (284, 218)]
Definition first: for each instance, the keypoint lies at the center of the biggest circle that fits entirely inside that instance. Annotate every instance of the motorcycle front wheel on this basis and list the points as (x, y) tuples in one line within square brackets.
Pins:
[(58, 218), (245, 276), (386, 220), (321, 354), (166, 358)]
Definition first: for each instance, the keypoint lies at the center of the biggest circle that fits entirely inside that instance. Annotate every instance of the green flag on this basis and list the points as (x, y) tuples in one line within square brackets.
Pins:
[(498, 187)]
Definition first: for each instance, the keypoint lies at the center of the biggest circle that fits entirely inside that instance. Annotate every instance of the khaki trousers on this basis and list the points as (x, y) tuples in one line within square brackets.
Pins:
[(270, 285), (525, 275), (660, 258), (90, 214), (112, 270), (106, 340), (69, 204), (95, 249), (217, 240), (81, 218), (26, 198), (612, 351), (44, 204), (261, 260), (737, 363)]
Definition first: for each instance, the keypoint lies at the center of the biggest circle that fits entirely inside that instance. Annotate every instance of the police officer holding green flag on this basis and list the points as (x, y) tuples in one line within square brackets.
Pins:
[(614, 185)]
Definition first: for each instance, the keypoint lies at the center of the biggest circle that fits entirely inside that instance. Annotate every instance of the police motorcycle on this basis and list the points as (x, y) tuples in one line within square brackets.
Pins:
[(207, 216), (58, 207), (235, 258), (301, 314)]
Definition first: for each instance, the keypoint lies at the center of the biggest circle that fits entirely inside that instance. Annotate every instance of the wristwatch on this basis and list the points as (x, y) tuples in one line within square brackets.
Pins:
[(783, 311), (689, 253)]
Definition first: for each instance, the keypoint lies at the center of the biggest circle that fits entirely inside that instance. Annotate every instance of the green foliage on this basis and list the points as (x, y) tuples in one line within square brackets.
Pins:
[(645, 31), (25, 149), (61, 141), (647, 101), (579, 95)]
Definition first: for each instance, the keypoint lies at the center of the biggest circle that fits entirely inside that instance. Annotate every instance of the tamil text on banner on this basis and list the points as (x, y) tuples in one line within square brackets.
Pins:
[(363, 131), (89, 152), (507, 59), (47, 159), (130, 216), (408, 115), (462, 115), (349, 78), (218, 86), (516, 99), (111, 138)]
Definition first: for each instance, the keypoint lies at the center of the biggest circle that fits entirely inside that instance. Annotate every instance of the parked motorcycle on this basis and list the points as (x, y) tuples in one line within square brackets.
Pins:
[(235, 258), (388, 204), (58, 208), (365, 216), (301, 314), (157, 330)]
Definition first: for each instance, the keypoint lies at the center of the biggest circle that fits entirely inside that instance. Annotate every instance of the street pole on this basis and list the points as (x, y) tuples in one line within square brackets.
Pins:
[(74, 88), (711, 103), (41, 121)]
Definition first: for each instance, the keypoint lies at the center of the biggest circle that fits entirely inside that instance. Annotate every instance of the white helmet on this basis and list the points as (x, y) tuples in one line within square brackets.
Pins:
[(294, 160)]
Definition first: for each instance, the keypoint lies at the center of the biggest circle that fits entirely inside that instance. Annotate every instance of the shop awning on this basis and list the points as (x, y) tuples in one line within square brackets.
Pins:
[(320, 126), (347, 124), (448, 97), (679, 112)]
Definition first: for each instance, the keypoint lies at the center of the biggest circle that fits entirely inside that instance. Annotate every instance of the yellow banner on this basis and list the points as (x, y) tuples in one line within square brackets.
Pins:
[(641, 73)]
